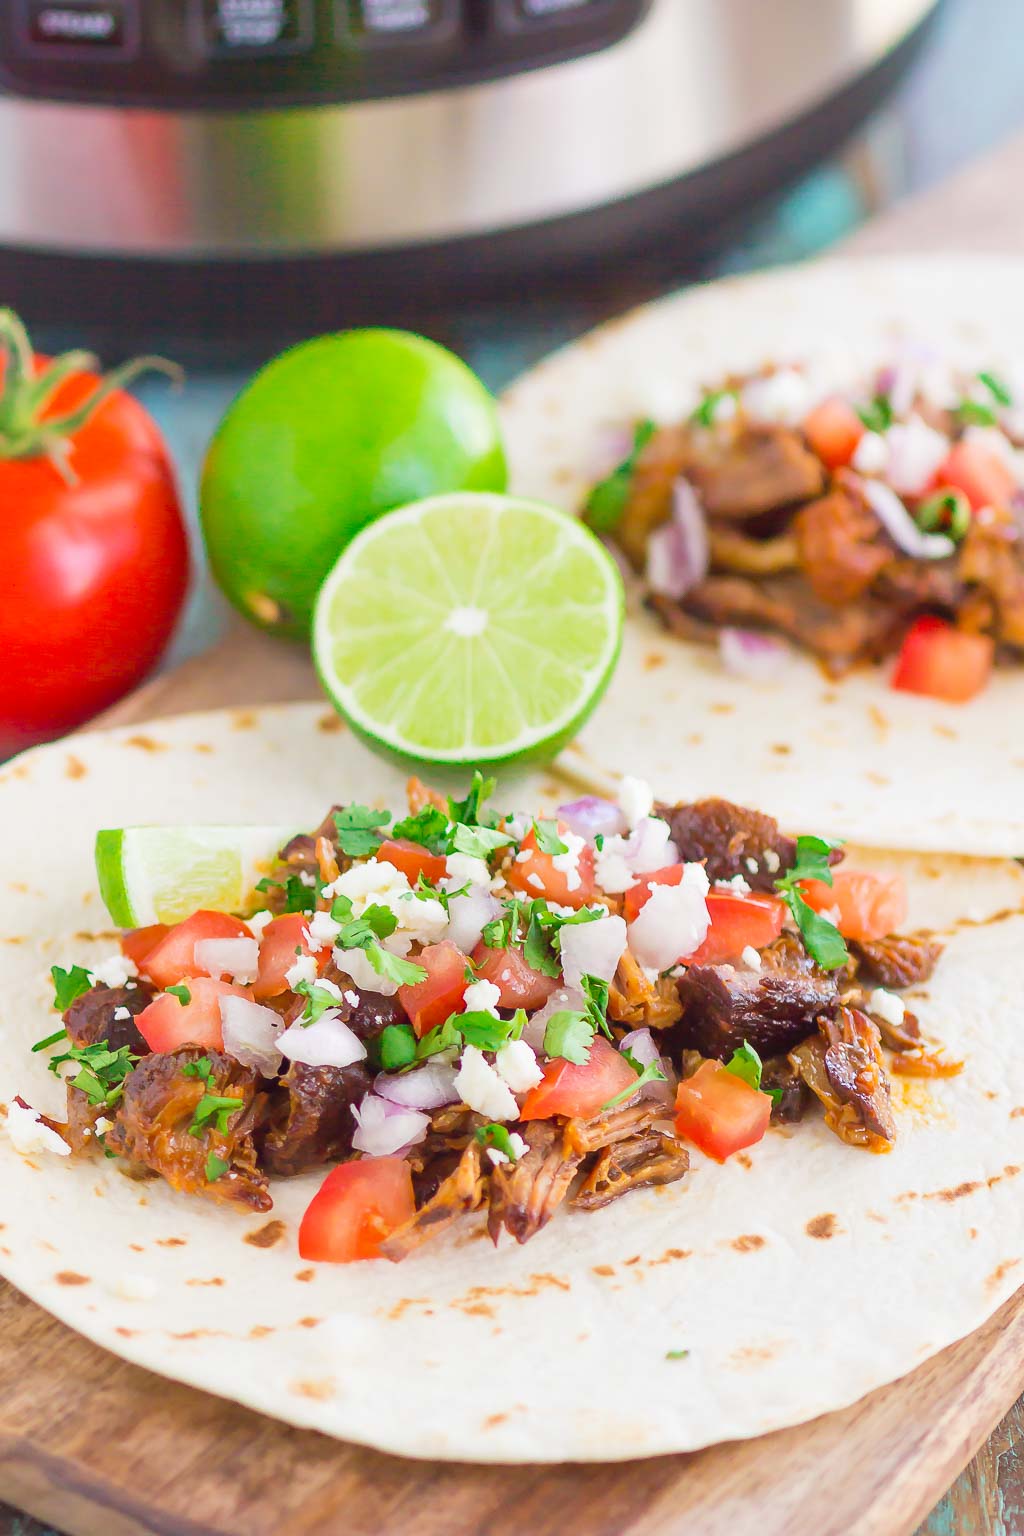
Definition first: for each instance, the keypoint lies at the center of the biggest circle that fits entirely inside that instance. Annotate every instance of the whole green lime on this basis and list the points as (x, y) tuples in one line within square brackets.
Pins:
[(324, 439)]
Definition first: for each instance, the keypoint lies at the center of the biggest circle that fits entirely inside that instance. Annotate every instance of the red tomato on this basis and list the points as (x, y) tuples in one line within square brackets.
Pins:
[(833, 430), (737, 921), (174, 956), (169, 1023), (281, 939), (95, 564), (985, 479), (580, 1091), (719, 1112), (412, 859), (518, 984), (138, 942), (356, 1207), (942, 661), (429, 1002), (636, 896), (869, 906), (537, 875)]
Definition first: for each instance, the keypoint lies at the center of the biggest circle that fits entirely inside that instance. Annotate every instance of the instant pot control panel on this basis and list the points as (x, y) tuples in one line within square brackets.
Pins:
[(265, 53)]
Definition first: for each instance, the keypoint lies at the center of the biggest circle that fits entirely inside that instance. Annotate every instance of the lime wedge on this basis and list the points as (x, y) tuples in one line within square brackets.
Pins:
[(469, 628), (163, 874)]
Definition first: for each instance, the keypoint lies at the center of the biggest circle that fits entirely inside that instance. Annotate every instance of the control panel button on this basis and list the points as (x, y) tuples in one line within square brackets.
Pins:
[(255, 26), (396, 20), (86, 26)]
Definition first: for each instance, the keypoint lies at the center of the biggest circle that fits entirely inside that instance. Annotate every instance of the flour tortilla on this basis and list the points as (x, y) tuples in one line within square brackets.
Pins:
[(556, 1350), (852, 758)]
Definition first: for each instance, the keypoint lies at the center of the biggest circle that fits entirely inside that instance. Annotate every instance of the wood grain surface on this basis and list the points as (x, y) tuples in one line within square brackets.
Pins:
[(100, 1448)]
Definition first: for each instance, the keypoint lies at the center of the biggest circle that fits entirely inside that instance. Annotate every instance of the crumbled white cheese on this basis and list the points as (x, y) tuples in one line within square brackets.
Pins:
[(886, 1005), (752, 865), (352, 998), (673, 922), (524, 855), (725, 407), (464, 869), (519, 1149), (772, 862), (568, 863), (480, 1088), (695, 876), (377, 883), (103, 1125), (322, 930), (784, 396), (516, 1063), (736, 884), (114, 971), (481, 997), (325, 984), (751, 959), (518, 1144), (133, 1287), (122, 1013), (535, 880), (258, 922), (308, 878), (871, 455), (916, 452), (29, 1134), (612, 868), (636, 800), (518, 825), (497, 1157), (303, 969)]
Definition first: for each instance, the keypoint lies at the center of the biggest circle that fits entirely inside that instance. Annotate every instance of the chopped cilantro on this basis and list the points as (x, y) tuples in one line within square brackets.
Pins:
[(67, 985), (976, 414), (101, 1071), (429, 828), (468, 811), (397, 1046), (822, 939), (645, 1073), (44, 1045), (298, 896), (548, 840), (949, 510), (181, 992), (997, 388), (216, 1167), (479, 842), (569, 1034), (877, 415), (745, 1064), (596, 993), (444, 1037), (484, 1030), (215, 1107), (704, 415), (498, 1137), (318, 1000), (202, 1067), (599, 841), (607, 501), (358, 830), (364, 932), (677, 1354), (406, 973), (426, 890)]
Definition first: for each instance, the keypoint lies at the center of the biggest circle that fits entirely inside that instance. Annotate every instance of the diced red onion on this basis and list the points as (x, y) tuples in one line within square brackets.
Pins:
[(591, 817), (237, 958), (899, 524), (327, 1043), (562, 998), (251, 1033), (468, 915), (641, 1044), (612, 447), (427, 1087), (650, 846), (749, 653), (916, 451), (678, 553), (673, 921), (592, 949), (383, 1128)]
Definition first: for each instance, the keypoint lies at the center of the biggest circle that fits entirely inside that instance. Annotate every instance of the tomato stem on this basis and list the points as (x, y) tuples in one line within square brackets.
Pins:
[(28, 389)]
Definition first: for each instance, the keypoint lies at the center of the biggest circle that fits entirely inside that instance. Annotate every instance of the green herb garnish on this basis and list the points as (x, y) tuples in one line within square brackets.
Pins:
[(101, 1071), (364, 933), (358, 829), (318, 1000), (216, 1167), (569, 1034), (548, 839), (997, 388), (298, 896), (215, 1107), (607, 501), (429, 828), (396, 1047), (67, 985), (676, 1354), (877, 415), (949, 510), (976, 414), (823, 941), (470, 811), (479, 842), (706, 411), (181, 992), (44, 1045), (649, 1073), (498, 1137)]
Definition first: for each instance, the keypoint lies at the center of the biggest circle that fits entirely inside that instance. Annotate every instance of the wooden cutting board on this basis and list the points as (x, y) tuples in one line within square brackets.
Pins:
[(101, 1448)]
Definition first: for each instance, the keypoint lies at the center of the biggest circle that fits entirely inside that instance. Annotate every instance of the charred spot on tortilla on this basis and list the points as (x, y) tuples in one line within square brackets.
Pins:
[(824, 1226), (747, 1243), (330, 724), (319, 1390), (244, 720), (144, 743), (310, 1322), (267, 1235), (74, 768), (71, 1277), (998, 1275), (305, 1275)]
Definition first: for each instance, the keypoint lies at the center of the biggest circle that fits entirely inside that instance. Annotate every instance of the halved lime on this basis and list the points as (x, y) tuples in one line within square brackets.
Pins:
[(469, 628), (164, 874)]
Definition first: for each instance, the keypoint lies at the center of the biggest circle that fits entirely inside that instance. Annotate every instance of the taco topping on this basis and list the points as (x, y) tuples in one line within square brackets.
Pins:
[(882, 521), (463, 1011)]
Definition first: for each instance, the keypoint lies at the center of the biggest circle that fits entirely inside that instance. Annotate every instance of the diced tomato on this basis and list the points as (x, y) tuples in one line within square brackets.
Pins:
[(568, 1089), (985, 478), (169, 1023), (537, 875), (637, 895), (869, 906), (283, 940), (412, 859), (429, 1002), (138, 942), (942, 661), (173, 957), (356, 1207), (719, 1112), (736, 922), (833, 430), (518, 984)]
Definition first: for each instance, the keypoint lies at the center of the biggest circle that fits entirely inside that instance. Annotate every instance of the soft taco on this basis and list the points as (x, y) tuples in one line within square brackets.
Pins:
[(428, 1024), (814, 483)]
